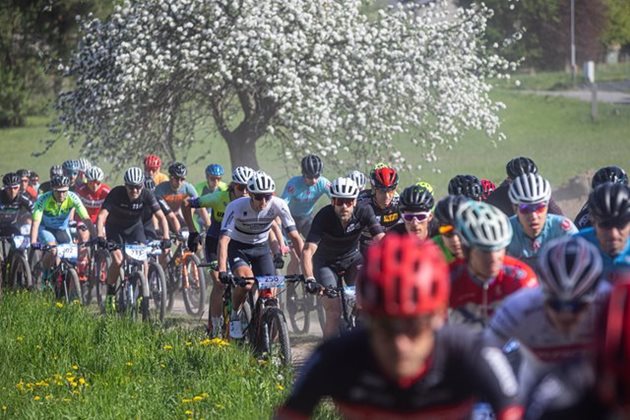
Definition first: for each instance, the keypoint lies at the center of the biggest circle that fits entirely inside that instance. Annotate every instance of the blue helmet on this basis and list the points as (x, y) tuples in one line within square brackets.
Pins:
[(214, 169)]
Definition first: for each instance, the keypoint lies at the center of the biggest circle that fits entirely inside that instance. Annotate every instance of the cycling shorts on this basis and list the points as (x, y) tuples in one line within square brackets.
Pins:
[(130, 235), (327, 271), (257, 256), (211, 245), (54, 236), (149, 231)]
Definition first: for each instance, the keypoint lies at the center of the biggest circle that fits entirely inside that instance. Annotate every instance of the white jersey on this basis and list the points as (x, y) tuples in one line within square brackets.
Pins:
[(522, 316), (244, 224)]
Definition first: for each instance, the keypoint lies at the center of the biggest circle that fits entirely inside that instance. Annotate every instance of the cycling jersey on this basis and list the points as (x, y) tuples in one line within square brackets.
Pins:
[(620, 261), (93, 200), (54, 215), (439, 240), (159, 178), (124, 213), (147, 219), (387, 217), (525, 248), (203, 189), (12, 211), (30, 192), (459, 371), (44, 187), (301, 197), (501, 200), (583, 218), (175, 198), (333, 240), (473, 301), (244, 224), (218, 202)]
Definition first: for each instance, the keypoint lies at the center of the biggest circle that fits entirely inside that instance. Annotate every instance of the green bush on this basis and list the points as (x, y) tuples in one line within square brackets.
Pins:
[(13, 97)]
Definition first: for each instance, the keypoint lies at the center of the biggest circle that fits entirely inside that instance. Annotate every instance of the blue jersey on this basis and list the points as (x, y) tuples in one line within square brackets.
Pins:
[(526, 249), (301, 198), (621, 261)]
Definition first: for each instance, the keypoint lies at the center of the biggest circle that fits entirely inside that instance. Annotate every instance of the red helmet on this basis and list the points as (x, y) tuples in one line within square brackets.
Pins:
[(487, 187), (152, 162), (403, 276), (385, 177)]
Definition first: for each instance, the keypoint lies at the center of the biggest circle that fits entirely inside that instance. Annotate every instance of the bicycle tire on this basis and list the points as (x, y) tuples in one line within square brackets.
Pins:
[(20, 272), (72, 286), (98, 276), (195, 293), (321, 312), (157, 291), (275, 337), (298, 305), (172, 284)]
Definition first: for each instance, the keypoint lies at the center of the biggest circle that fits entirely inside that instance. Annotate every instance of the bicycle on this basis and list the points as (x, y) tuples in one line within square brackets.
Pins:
[(157, 282), (15, 270), (62, 279), (299, 304), (184, 272), (97, 277), (349, 310)]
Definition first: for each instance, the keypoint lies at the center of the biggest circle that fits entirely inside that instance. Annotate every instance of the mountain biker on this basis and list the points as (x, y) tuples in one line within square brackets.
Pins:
[(447, 239), (150, 222), (609, 207), (487, 188), (557, 320), (244, 238), (383, 199), (532, 225), (71, 171), (120, 220), (515, 167), (214, 173), (25, 183), (84, 165), (406, 363), (467, 185), (218, 202), (486, 275), (152, 165), (416, 205), (359, 178), (33, 180), (93, 191), (612, 174), (55, 170), (15, 206), (332, 245)]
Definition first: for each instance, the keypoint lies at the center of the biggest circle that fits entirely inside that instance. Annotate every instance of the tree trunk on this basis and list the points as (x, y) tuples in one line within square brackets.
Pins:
[(242, 147)]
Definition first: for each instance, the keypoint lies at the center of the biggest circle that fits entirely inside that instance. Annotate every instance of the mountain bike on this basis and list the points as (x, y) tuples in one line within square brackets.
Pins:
[(97, 275), (184, 272), (15, 270), (299, 304), (62, 279), (349, 312), (157, 283)]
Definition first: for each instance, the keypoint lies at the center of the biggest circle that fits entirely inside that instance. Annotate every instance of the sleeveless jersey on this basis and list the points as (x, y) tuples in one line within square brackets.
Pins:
[(301, 198), (244, 224)]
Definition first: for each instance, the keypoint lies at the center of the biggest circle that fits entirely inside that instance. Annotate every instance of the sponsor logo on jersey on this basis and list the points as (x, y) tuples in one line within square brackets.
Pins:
[(566, 225), (390, 218), (291, 189)]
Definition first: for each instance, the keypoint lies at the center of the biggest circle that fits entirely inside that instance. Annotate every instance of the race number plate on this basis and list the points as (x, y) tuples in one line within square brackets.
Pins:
[(68, 251), (269, 282), (136, 252)]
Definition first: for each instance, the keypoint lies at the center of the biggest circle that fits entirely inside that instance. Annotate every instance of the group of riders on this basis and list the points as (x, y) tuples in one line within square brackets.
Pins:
[(487, 294)]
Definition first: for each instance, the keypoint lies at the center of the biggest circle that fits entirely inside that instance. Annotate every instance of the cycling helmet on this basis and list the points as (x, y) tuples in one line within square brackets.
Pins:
[(415, 198), (519, 166), (447, 207), (134, 176), (11, 179), (569, 269), (358, 177), (403, 276), (23, 173), (59, 182), (468, 185), (177, 169), (261, 183), (385, 177), (344, 188), (84, 165), (149, 183), (612, 174), (425, 185), (487, 187), (94, 174), (483, 226), (312, 166), (241, 174), (214, 169), (529, 189), (56, 170), (152, 162), (70, 166), (610, 202)]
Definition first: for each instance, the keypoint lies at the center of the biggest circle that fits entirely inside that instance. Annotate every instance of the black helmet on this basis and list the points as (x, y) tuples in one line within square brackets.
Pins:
[(11, 179), (149, 183), (520, 165), (612, 174), (177, 169), (23, 173), (447, 207), (56, 170), (416, 198), (610, 203), (468, 185), (312, 166), (59, 182)]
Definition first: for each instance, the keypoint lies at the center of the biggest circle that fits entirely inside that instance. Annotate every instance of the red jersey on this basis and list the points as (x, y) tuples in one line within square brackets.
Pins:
[(92, 200), (473, 301)]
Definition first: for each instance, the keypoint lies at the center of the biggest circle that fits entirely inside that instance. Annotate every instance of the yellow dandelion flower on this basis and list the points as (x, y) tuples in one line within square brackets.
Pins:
[(82, 381), (19, 338), (188, 412), (205, 342), (279, 387), (219, 342), (186, 400), (48, 397), (129, 363), (70, 378), (4, 408), (167, 347), (197, 398), (162, 365), (41, 383), (59, 305), (75, 367), (37, 398), (20, 385)]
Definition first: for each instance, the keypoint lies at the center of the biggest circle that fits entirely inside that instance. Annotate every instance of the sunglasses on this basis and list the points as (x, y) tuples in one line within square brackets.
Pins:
[(261, 197), (447, 230), (178, 178), (61, 191), (133, 187), (13, 187), (531, 208), (410, 327), (612, 224), (385, 190), (71, 173), (347, 202), (566, 306), (420, 217)]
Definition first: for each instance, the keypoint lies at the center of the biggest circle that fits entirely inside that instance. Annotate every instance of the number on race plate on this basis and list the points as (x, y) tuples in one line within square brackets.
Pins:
[(269, 282), (137, 252), (68, 251)]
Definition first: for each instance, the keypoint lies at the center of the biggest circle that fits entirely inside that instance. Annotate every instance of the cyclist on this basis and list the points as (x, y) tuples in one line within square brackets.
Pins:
[(121, 219), (84, 166), (55, 170), (214, 173), (332, 245), (609, 207), (466, 185), (515, 167), (93, 191), (383, 199), (150, 222), (487, 187), (481, 281), (557, 320), (406, 363), (152, 165), (71, 171), (425, 185), (25, 183), (359, 178), (416, 205), (532, 226), (15, 206), (612, 174), (447, 239), (33, 180), (218, 202), (244, 234)]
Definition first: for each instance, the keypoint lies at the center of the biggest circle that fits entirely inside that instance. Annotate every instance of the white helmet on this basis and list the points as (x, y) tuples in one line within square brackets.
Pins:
[(529, 188), (261, 183), (94, 174), (84, 165), (483, 226), (134, 176), (344, 188), (358, 177), (241, 174)]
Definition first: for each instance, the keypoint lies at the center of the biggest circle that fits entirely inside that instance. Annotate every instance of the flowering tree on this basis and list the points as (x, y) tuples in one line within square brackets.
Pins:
[(319, 76)]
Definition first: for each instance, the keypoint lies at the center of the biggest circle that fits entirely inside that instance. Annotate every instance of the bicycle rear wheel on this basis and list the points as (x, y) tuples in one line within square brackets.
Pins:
[(275, 337), (72, 286), (157, 291), (298, 304), (194, 286), (20, 272)]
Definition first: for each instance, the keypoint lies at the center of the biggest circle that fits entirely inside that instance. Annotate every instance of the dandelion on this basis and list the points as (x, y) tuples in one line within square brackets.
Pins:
[(186, 400), (197, 398), (205, 342), (75, 367), (20, 338), (82, 381), (37, 398), (188, 412), (167, 347), (279, 387), (48, 397), (59, 305), (129, 364)]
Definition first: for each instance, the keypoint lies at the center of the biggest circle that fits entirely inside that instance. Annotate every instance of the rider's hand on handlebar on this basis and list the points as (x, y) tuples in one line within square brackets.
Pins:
[(224, 277), (193, 241), (101, 242), (36, 245), (165, 244), (311, 285), (278, 261)]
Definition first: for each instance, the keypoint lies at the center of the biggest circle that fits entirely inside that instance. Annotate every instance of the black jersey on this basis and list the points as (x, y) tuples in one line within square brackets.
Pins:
[(123, 212), (147, 212), (460, 371), (387, 217), (583, 218), (334, 240), (12, 210)]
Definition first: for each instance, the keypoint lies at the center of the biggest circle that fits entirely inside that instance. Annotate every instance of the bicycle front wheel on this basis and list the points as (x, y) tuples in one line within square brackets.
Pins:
[(72, 286), (20, 272), (98, 276), (298, 304), (193, 286), (157, 291), (137, 295), (275, 336)]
